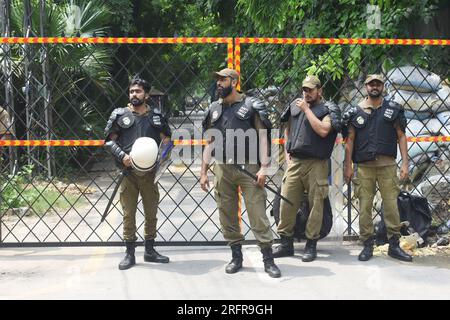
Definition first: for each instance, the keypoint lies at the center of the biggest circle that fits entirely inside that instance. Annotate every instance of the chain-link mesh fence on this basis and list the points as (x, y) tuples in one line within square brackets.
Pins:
[(60, 91)]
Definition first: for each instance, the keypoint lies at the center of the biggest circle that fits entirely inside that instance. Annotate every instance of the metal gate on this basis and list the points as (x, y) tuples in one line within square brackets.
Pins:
[(59, 92)]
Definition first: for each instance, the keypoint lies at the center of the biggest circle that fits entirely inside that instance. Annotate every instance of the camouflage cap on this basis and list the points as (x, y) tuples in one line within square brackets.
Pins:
[(227, 72), (372, 77), (311, 82)]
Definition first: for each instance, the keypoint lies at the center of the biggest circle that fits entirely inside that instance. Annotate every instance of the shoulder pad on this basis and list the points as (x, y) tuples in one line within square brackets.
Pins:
[(256, 103), (332, 107), (260, 106), (121, 111), (125, 119), (346, 120), (115, 116), (348, 115), (335, 115), (359, 119), (394, 104)]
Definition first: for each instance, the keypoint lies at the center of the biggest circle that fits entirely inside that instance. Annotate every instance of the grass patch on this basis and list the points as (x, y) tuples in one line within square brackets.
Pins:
[(42, 199), (22, 191)]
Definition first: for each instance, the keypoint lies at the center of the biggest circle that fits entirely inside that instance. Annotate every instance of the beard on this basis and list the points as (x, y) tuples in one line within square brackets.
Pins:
[(224, 92), (136, 102), (312, 100), (374, 94)]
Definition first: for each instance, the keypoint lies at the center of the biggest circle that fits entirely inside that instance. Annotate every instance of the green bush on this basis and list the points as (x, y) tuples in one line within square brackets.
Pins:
[(17, 191)]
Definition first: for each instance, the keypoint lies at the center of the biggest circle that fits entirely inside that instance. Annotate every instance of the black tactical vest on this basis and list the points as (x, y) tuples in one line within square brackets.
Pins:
[(239, 115), (303, 142), (375, 132), (148, 125)]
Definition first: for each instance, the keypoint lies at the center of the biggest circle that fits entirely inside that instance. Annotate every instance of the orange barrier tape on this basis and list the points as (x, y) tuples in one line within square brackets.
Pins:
[(230, 53), (181, 40), (51, 143), (191, 142), (347, 41), (278, 141), (237, 61), (429, 139), (109, 40)]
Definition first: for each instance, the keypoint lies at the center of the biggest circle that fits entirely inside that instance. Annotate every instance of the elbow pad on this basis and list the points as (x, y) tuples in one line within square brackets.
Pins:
[(115, 150), (335, 115)]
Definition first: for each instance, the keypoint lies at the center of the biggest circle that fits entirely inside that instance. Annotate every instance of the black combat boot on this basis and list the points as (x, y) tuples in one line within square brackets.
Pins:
[(285, 249), (269, 265), (367, 251), (310, 251), (236, 261), (129, 259), (396, 252), (151, 255)]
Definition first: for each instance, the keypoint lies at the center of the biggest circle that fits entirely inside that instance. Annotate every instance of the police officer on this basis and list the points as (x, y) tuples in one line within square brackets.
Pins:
[(312, 126), (124, 127), (374, 127), (234, 112)]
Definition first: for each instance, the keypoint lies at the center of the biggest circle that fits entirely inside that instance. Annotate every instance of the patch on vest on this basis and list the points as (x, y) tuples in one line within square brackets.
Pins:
[(126, 121), (388, 113), (242, 112), (157, 120), (215, 115), (360, 120)]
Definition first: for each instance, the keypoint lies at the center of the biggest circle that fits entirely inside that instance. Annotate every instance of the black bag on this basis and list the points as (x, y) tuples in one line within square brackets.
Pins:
[(415, 210), (302, 217)]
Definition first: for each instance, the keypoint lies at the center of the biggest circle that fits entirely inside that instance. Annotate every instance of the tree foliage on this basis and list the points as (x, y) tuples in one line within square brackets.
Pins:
[(338, 18), (185, 70)]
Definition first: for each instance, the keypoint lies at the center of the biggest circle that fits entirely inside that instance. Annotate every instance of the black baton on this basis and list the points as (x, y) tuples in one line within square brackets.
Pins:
[(118, 183), (248, 173)]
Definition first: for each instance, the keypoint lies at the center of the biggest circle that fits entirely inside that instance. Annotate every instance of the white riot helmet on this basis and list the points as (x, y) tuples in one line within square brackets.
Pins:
[(144, 154)]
